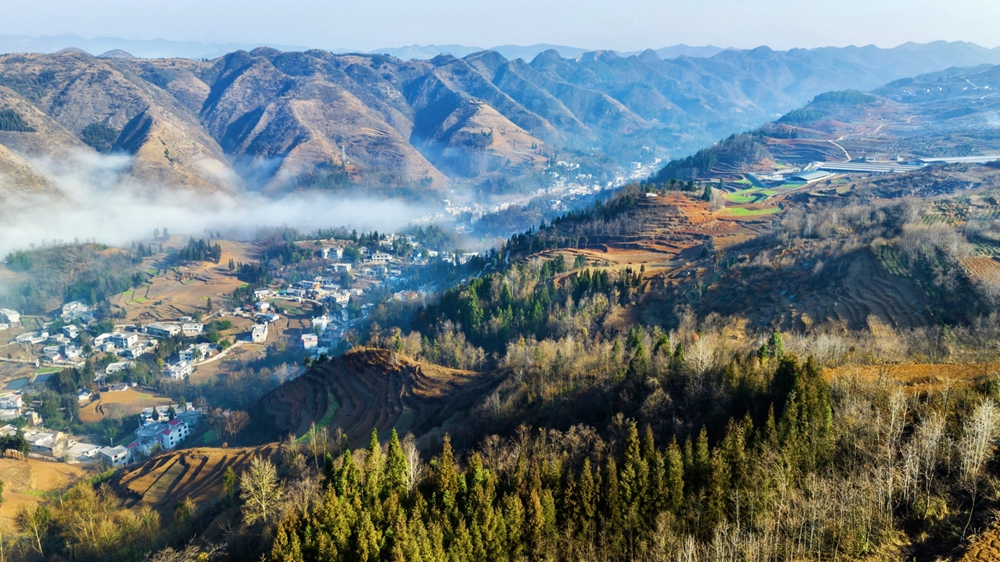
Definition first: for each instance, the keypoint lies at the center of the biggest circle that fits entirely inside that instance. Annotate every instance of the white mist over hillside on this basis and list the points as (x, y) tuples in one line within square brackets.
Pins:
[(97, 202)]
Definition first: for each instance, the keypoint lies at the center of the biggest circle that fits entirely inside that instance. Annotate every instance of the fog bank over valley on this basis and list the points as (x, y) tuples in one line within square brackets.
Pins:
[(95, 200)]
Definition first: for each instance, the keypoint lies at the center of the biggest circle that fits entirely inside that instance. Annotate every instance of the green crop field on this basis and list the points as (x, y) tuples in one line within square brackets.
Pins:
[(744, 212), (740, 197)]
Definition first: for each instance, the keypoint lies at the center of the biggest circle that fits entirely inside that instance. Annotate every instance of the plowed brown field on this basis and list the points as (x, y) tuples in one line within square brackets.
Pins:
[(984, 269), (920, 377), (165, 480), (30, 481), (371, 388), (131, 402)]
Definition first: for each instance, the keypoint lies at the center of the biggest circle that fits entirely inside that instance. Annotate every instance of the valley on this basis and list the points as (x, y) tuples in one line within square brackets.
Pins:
[(780, 347)]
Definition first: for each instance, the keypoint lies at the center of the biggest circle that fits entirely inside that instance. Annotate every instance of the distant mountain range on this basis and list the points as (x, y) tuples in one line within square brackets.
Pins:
[(513, 52), (142, 48), (277, 121), (161, 48)]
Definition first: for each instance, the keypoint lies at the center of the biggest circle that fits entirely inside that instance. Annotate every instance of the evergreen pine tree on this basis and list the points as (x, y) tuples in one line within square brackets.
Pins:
[(396, 466), (329, 471), (702, 460), (776, 347), (674, 466), (446, 476), (373, 463)]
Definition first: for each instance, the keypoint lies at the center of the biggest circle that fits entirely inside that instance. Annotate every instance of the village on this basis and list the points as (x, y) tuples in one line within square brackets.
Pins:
[(308, 318)]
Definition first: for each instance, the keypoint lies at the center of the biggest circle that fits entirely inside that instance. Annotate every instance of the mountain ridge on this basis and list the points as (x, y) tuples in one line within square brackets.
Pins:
[(275, 121)]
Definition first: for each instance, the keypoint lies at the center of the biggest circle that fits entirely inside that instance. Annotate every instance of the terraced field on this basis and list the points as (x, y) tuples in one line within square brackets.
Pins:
[(164, 481), (983, 269), (667, 229), (850, 291), (371, 388)]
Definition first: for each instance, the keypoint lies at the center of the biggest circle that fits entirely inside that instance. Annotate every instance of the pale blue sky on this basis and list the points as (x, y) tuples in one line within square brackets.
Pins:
[(616, 24)]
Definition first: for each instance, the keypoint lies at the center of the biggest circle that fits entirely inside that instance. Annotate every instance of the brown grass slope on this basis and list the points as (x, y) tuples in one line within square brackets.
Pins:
[(75, 90), (163, 481), (372, 388)]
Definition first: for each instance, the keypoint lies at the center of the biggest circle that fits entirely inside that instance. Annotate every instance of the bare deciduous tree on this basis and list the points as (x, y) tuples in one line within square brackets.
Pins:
[(977, 445), (260, 490), (414, 468)]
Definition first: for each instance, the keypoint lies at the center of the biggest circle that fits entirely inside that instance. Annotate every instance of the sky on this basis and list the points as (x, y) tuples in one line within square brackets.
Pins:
[(622, 25)]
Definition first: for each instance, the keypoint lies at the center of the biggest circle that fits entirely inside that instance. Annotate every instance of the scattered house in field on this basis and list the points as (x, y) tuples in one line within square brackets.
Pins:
[(83, 396), (259, 333), (11, 400), (341, 297), (122, 340), (10, 316), (74, 309), (306, 285), (381, 258), (191, 329), (119, 387), (179, 370), (135, 352), (58, 339), (72, 332), (81, 452), (114, 456), (47, 444), (260, 294), (163, 330), (52, 352), (33, 338), (268, 318), (309, 341), (262, 306), (175, 432), (335, 253), (118, 367), (318, 351), (322, 322), (146, 416), (340, 267), (201, 350), (10, 405)]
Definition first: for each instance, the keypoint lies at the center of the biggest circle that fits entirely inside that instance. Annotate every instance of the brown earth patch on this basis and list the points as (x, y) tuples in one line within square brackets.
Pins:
[(131, 402), (31, 482)]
